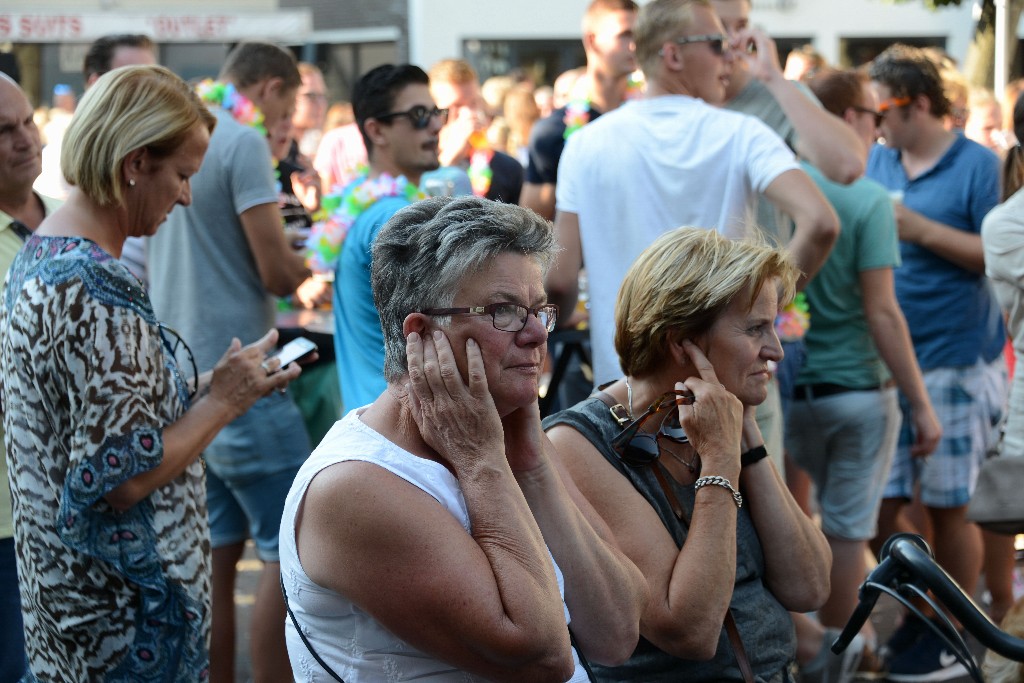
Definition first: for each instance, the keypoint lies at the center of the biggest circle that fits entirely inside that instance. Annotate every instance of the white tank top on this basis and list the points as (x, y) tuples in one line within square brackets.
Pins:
[(349, 640)]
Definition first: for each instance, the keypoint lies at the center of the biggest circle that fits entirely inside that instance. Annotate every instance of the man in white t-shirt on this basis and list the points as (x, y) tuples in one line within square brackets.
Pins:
[(668, 160)]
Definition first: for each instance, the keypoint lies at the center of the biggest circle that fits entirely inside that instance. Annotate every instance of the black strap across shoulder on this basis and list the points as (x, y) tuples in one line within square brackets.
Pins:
[(309, 646)]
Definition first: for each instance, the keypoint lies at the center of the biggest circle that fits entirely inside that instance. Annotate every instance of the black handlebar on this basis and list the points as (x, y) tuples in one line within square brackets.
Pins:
[(883, 574), (907, 561)]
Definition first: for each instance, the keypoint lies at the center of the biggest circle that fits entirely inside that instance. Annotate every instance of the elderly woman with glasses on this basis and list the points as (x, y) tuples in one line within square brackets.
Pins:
[(430, 536), (104, 430), (672, 459)]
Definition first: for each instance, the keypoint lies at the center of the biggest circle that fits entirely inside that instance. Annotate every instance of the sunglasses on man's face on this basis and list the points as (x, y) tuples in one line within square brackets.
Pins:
[(877, 115), (638, 448), (716, 41), (891, 103), (419, 115)]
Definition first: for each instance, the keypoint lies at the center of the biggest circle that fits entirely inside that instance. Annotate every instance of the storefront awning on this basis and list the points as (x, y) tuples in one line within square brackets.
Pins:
[(286, 26)]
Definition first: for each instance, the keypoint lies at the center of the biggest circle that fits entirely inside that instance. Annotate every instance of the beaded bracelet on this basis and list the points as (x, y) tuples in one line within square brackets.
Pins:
[(755, 454), (719, 481)]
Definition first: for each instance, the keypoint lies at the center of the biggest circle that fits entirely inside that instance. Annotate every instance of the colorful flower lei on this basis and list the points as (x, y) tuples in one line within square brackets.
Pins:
[(792, 322), (577, 112), (227, 97), (480, 172), (340, 210)]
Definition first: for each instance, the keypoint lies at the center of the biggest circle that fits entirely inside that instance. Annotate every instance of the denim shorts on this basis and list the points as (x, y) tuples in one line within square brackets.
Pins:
[(250, 467), (846, 443), (969, 402)]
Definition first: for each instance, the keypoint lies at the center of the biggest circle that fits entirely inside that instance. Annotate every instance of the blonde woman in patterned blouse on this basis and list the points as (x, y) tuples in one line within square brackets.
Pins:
[(104, 428)]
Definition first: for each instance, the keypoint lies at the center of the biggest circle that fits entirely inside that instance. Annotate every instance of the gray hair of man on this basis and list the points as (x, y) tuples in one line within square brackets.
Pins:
[(421, 256)]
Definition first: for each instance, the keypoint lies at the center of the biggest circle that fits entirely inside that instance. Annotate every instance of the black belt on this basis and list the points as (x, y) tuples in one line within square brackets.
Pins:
[(808, 392)]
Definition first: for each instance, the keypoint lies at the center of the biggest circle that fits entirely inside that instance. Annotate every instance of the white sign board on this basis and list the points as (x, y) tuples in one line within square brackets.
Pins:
[(287, 26)]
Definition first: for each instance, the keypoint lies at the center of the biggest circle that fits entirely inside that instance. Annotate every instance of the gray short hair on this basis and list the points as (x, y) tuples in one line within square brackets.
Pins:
[(422, 254)]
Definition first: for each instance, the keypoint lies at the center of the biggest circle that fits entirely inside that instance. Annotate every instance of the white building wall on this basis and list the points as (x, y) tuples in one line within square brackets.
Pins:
[(439, 27), (139, 5), (828, 21)]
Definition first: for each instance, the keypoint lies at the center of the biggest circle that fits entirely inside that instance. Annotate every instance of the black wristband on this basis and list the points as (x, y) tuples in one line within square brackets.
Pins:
[(755, 454)]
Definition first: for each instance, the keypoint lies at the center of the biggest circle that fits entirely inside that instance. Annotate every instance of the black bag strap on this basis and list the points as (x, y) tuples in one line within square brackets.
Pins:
[(583, 658), (309, 646), (737, 647)]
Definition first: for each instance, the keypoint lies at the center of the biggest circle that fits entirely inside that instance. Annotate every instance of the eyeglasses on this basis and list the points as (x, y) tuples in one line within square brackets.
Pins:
[(419, 115), (879, 115), (507, 317), (716, 41), (892, 103), (638, 448), (184, 368)]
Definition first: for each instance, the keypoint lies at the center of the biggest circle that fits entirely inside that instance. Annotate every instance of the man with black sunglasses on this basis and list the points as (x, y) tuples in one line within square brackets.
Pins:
[(400, 125)]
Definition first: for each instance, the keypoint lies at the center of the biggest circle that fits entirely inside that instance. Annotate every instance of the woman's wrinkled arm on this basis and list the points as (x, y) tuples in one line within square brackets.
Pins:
[(486, 602), (604, 591)]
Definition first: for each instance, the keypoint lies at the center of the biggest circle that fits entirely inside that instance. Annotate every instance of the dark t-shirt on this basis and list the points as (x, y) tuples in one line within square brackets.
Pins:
[(292, 211), (506, 179), (546, 142), (765, 626)]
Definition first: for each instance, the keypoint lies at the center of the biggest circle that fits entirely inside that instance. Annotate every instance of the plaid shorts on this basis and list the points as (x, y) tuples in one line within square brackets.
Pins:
[(969, 402)]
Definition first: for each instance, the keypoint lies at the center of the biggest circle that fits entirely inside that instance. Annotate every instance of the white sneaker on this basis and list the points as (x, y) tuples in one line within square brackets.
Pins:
[(828, 667)]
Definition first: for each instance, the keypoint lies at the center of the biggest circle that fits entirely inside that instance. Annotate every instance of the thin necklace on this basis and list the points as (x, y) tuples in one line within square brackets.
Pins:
[(692, 465)]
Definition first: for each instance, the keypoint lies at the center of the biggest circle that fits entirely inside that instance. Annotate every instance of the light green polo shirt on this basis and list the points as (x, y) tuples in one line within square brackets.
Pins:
[(10, 244)]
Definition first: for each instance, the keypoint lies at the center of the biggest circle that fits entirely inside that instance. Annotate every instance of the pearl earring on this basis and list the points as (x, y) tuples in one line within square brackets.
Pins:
[(131, 182)]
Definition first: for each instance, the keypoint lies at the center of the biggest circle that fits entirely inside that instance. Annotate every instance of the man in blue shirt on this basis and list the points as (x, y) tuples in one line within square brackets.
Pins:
[(943, 184), (399, 124)]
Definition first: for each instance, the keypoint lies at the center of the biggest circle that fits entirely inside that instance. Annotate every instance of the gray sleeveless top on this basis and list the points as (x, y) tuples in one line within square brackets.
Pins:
[(764, 625)]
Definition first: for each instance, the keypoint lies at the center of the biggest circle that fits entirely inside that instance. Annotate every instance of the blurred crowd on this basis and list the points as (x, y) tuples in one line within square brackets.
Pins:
[(618, 374)]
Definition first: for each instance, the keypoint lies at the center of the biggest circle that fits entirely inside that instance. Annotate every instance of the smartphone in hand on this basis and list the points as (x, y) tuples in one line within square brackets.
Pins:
[(295, 350)]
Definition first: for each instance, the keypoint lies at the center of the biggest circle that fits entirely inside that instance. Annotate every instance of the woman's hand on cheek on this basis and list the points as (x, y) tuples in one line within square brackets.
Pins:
[(455, 418), (714, 421)]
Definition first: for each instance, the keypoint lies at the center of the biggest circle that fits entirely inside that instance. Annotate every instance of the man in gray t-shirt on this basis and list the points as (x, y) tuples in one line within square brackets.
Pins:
[(757, 87), (214, 270)]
